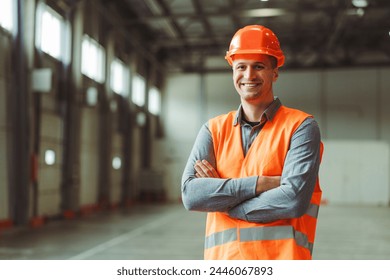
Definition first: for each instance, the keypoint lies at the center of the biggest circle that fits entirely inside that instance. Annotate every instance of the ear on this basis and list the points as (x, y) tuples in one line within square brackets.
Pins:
[(275, 74)]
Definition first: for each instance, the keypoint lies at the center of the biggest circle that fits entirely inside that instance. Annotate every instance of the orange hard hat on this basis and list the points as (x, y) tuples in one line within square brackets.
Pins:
[(255, 39)]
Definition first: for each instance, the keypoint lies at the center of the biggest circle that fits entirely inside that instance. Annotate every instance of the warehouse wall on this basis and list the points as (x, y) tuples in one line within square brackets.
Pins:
[(5, 127), (181, 121), (81, 122), (349, 105)]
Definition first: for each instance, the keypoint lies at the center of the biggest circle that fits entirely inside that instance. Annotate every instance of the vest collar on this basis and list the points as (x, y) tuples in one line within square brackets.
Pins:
[(269, 113)]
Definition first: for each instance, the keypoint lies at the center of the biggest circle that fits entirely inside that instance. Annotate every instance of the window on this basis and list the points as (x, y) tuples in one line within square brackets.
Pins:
[(7, 14), (52, 33), (154, 101), (92, 59), (120, 78), (138, 94)]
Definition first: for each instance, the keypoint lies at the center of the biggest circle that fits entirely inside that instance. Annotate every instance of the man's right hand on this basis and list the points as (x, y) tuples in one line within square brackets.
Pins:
[(205, 170), (265, 183)]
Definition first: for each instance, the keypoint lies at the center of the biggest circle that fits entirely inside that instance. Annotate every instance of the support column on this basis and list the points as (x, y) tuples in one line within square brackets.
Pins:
[(20, 169)]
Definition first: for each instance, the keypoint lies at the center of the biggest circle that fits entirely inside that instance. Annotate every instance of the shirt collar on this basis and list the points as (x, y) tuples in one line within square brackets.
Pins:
[(269, 113)]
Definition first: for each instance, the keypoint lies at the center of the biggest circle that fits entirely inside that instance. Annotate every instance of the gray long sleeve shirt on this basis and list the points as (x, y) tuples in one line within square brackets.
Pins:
[(237, 196)]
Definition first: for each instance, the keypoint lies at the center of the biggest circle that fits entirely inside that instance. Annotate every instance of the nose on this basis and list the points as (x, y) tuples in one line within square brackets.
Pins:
[(249, 73)]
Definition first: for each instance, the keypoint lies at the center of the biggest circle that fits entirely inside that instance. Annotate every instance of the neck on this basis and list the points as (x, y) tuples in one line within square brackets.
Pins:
[(253, 112)]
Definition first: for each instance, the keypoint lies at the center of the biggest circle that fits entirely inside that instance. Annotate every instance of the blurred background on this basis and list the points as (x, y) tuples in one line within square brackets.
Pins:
[(101, 101)]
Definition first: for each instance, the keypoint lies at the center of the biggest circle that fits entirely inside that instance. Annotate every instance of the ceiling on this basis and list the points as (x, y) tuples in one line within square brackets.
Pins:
[(194, 35)]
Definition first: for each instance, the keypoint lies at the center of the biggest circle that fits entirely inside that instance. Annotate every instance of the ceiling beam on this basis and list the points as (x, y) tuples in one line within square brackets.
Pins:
[(223, 13), (235, 17), (206, 24), (169, 16)]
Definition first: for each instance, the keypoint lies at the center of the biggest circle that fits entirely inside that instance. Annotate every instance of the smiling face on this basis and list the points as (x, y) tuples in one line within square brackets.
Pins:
[(253, 77)]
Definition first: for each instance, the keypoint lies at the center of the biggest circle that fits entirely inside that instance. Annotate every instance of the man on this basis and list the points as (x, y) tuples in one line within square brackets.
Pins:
[(255, 170)]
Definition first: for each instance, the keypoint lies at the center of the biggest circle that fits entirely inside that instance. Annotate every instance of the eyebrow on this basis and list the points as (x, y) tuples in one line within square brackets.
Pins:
[(252, 63)]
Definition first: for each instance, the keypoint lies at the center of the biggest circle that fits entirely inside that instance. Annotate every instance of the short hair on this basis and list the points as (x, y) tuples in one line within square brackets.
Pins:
[(274, 61)]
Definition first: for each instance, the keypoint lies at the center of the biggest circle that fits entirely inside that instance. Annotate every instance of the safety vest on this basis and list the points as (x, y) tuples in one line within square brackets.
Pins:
[(229, 238)]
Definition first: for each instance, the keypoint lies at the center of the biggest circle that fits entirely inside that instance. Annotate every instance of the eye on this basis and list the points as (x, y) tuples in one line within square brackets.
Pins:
[(240, 67), (259, 67)]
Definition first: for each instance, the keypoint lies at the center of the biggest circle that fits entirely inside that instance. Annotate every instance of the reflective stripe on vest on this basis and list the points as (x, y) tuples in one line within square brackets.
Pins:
[(220, 238), (258, 234), (263, 233), (313, 210)]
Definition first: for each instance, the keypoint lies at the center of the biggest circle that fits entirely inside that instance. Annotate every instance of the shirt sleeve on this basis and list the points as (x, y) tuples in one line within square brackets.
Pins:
[(212, 194), (292, 198)]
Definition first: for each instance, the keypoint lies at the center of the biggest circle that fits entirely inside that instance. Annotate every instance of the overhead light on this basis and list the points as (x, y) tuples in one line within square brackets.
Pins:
[(264, 0), (267, 12), (360, 3)]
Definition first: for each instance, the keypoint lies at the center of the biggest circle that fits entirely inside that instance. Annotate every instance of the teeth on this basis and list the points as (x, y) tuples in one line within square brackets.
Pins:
[(249, 85)]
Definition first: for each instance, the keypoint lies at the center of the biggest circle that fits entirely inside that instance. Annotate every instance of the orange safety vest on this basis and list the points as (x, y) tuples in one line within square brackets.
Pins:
[(229, 238)]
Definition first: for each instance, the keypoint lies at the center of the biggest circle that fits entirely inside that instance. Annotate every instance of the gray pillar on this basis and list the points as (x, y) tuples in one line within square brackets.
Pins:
[(20, 168)]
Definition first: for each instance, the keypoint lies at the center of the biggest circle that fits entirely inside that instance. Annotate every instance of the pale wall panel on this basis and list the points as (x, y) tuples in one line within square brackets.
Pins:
[(351, 100), (355, 172), (3, 153), (221, 96), (51, 127), (49, 192), (182, 121), (89, 157), (300, 90), (3, 104), (136, 161), (3, 177), (49, 203), (49, 176), (182, 112), (384, 111), (116, 174)]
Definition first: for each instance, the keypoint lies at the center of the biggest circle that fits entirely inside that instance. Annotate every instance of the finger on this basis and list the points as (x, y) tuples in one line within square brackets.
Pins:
[(205, 170), (200, 171), (211, 168)]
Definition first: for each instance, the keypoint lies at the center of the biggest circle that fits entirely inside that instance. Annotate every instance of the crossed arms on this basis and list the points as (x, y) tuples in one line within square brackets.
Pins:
[(255, 198)]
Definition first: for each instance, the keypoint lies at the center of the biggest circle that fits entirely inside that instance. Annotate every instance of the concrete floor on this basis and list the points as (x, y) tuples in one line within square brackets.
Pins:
[(170, 232)]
